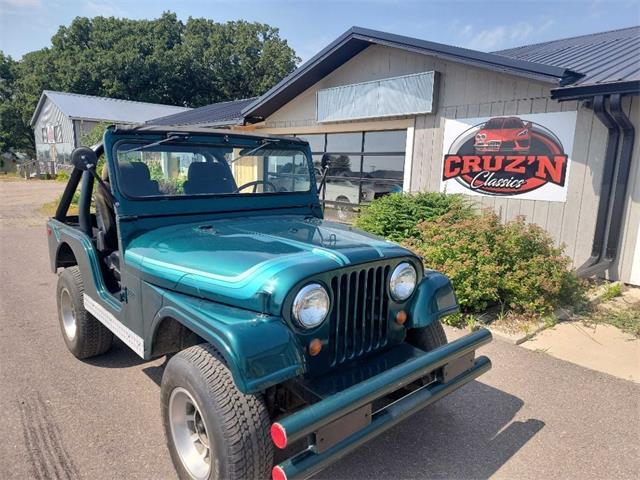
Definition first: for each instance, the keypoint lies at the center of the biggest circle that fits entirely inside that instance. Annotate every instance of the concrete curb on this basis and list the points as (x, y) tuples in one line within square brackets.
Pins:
[(514, 338), (560, 315)]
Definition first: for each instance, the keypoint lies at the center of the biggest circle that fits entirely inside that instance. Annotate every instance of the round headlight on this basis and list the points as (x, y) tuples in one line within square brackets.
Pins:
[(403, 281), (311, 305)]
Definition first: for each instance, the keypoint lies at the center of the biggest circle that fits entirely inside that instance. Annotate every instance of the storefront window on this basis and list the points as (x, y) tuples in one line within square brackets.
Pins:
[(364, 166), (316, 142), (391, 141), (344, 142), (387, 167)]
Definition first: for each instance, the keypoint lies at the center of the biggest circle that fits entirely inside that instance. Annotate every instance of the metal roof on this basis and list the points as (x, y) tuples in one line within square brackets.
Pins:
[(356, 39), (89, 107), (214, 115), (605, 57)]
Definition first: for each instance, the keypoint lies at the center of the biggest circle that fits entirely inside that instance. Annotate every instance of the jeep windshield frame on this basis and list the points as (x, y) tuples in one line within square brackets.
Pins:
[(176, 169), (303, 200)]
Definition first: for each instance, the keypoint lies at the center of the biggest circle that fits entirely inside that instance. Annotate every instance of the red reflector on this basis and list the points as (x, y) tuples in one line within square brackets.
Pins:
[(279, 436), (49, 231), (278, 474)]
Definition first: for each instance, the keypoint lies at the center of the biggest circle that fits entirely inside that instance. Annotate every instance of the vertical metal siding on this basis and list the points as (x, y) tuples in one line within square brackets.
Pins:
[(52, 115)]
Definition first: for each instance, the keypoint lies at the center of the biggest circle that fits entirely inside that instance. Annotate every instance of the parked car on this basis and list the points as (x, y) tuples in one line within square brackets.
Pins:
[(503, 134), (341, 192), (285, 330)]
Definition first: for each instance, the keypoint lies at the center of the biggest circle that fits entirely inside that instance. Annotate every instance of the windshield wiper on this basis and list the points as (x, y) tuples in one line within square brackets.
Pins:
[(253, 150), (171, 136)]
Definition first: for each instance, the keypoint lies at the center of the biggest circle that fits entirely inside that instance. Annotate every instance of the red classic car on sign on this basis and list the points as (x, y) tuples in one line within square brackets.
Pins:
[(504, 134)]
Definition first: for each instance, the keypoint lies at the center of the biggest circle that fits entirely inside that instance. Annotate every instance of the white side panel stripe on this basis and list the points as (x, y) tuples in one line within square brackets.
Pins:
[(133, 341)]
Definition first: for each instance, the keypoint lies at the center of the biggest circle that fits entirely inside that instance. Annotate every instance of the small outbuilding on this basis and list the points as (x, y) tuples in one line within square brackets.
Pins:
[(61, 119)]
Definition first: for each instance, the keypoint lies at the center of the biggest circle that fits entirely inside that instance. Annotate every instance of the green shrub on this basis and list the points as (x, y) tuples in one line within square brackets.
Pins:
[(62, 176), (396, 216), (514, 264), (461, 249)]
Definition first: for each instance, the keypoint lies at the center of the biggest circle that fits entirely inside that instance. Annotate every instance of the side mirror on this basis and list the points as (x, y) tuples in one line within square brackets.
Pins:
[(83, 158), (326, 161), (529, 125)]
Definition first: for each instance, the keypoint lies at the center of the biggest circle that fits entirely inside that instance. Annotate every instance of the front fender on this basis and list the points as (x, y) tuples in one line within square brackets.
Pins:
[(434, 298), (260, 350)]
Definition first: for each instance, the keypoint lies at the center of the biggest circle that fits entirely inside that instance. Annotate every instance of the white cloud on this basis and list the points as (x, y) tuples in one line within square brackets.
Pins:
[(95, 9), (21, 3), (499, 36), (19, 7)]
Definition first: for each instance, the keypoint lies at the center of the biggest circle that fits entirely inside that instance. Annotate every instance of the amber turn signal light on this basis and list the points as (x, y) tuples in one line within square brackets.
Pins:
[(401, 317), (315, 346)]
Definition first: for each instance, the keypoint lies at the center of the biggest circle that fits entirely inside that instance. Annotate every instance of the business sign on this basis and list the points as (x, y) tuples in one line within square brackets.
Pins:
[(518, 156)]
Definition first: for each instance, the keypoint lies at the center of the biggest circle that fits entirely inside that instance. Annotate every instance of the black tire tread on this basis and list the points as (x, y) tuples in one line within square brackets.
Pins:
[(95, 338), (244, 418), (429, 337)]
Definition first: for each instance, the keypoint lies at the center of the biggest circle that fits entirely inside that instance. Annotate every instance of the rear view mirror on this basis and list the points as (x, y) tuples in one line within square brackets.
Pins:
[(83, 158)]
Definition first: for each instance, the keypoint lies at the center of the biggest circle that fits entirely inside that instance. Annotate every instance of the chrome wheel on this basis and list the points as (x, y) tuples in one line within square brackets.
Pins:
[(189, 433), (342, 208), (68, 314)]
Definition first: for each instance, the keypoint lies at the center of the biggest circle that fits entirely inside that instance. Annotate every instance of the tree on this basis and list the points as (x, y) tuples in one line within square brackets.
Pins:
[(15, 134), (165, 60), (94, 136)]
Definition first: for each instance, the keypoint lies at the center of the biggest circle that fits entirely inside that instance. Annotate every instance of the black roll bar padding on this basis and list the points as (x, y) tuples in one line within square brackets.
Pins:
[(67, 195), (622, 177), (593, 264), (84, 205)]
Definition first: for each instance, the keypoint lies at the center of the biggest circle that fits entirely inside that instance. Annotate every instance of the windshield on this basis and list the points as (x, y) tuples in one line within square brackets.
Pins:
[(494, 124), (179, 170), (513, 123)]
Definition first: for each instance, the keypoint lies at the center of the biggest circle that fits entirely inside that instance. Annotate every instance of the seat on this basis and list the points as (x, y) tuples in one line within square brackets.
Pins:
[(209, 177), (135, 180), (107, 240)]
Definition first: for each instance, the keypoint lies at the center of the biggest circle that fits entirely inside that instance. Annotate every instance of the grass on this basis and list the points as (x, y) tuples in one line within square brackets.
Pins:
[(611, 291), (49, 208), (10, 177), (626, 319)]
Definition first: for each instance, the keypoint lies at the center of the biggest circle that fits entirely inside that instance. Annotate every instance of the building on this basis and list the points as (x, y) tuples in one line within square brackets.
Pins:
[(547, 131), (216, 115), (61, 119)]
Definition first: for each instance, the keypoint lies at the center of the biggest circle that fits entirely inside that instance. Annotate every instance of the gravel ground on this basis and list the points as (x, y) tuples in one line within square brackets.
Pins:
[(532, 416)]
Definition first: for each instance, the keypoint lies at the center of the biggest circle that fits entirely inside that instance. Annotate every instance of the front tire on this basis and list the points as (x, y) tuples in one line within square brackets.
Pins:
[(427, 338), (84, 335), (213, 430)]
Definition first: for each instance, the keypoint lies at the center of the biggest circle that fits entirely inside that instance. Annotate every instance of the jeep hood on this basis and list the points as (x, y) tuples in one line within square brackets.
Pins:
[(251, 262)]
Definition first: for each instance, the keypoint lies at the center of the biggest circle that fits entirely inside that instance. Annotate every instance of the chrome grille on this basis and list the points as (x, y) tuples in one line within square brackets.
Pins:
[(359, 312)]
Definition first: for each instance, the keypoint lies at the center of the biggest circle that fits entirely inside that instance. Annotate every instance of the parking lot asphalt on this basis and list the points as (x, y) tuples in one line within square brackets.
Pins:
[(531, 416)]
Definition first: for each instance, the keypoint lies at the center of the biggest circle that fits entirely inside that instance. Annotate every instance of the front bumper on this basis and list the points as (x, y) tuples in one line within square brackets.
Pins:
[(451, 366)]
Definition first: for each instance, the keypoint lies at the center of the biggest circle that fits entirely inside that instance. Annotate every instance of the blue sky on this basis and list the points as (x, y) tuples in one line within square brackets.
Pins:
[(309, 25)]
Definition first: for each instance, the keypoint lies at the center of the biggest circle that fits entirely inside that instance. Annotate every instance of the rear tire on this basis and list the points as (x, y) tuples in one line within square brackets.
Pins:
[(84, 335), (427, 338), (213, 430)]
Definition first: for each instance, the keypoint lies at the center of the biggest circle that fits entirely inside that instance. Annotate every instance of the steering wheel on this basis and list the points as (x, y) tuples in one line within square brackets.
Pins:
[(255, 184)]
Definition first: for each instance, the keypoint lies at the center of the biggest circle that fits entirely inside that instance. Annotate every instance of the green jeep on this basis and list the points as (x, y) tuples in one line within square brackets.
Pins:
[(283, 330)]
